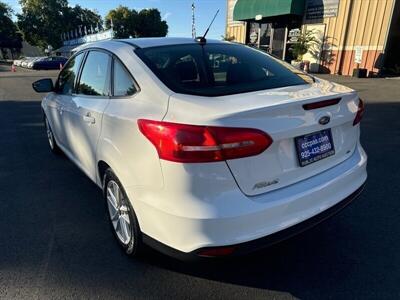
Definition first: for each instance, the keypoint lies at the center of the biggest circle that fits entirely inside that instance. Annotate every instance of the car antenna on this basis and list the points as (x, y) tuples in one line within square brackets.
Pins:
[(202, 39)]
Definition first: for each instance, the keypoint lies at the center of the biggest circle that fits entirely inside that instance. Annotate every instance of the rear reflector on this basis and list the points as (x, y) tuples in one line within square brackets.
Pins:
[(218, 251), (321, 104), (360, 113), (195, 144)]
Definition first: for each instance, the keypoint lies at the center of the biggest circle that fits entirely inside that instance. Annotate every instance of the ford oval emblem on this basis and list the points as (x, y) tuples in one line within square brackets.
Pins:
[(324, 120)]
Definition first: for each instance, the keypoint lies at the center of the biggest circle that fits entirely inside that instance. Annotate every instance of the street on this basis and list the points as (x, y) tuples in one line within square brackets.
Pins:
[(55, 240)]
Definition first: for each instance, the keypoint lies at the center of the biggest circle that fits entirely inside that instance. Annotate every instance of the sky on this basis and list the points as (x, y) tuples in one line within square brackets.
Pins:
[(177, 13)]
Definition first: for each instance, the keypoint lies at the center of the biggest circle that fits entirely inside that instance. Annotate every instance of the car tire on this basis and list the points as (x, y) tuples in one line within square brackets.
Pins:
[(50, 137), (121, 216)]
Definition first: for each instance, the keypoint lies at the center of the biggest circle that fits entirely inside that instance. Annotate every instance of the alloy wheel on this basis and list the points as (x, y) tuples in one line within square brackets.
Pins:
[(119, 212)]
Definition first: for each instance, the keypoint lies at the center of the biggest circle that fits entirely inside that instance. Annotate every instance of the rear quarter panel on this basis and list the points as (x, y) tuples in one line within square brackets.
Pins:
[(121, 145), (124, 148)]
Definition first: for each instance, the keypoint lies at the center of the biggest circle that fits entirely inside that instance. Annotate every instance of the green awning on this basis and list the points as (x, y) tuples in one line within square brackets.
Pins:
[(249, 9)]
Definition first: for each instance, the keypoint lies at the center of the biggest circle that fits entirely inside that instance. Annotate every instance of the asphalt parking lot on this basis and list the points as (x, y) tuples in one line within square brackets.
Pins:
[(55, 241)]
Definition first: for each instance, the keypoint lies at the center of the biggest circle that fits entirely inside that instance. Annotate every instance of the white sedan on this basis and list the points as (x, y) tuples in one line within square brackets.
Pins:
[(18, 62), (205, 148)]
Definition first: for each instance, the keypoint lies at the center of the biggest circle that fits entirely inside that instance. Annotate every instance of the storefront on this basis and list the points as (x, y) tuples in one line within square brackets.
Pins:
[(269, 22), (348, 34)]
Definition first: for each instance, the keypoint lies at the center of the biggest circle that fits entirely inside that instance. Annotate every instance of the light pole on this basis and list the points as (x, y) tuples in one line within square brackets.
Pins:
[(193, 22)]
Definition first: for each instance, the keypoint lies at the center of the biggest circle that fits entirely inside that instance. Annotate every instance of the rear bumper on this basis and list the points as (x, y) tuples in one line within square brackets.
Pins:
[(260, 243), (189, 217)]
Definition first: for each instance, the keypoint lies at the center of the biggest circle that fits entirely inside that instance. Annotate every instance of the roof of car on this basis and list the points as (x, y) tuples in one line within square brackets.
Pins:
[(143, 42)]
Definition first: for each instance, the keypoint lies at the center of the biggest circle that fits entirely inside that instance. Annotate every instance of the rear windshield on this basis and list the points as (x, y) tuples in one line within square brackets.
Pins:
[(218, 69)]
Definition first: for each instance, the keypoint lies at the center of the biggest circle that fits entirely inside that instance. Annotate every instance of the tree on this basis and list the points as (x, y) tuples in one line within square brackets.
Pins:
[(9, 35), (124, 21), (128, 22), (80, 17), (44, 21), (150, 24)]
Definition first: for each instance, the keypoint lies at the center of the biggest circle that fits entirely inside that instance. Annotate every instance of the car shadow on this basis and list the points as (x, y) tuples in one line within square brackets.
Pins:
[(55, 234)]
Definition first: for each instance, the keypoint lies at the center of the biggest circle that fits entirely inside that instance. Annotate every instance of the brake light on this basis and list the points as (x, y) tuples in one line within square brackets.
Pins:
[(320, 104), (360, 113), (195, 144)]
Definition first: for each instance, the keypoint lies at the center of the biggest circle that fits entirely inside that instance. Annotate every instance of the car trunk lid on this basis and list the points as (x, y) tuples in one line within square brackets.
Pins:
[(280, 113)]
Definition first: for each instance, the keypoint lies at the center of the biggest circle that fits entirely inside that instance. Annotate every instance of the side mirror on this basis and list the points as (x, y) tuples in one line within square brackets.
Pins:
[(43, 85)]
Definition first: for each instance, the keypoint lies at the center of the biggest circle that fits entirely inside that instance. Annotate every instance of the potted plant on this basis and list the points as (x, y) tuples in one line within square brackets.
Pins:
[(301, 47)]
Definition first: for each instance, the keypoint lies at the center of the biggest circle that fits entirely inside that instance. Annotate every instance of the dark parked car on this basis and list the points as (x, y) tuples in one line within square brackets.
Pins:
[(49, 63)]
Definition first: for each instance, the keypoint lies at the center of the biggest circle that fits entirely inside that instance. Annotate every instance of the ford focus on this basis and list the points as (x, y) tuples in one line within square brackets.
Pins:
[(205, 148)]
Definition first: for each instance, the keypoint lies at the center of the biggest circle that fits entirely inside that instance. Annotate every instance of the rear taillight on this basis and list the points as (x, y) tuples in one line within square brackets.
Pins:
[(216, 252), (360, 112), (193, 144)]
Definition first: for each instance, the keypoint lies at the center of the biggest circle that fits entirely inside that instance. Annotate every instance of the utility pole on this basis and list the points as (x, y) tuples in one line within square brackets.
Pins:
[(193, 22)]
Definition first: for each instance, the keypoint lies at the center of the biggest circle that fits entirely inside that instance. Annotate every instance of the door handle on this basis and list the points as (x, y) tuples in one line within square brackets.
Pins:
[(89, 119)]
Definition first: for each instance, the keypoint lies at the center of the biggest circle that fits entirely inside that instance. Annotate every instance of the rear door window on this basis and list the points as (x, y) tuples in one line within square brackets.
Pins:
[(95, 75), (124, 85)]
